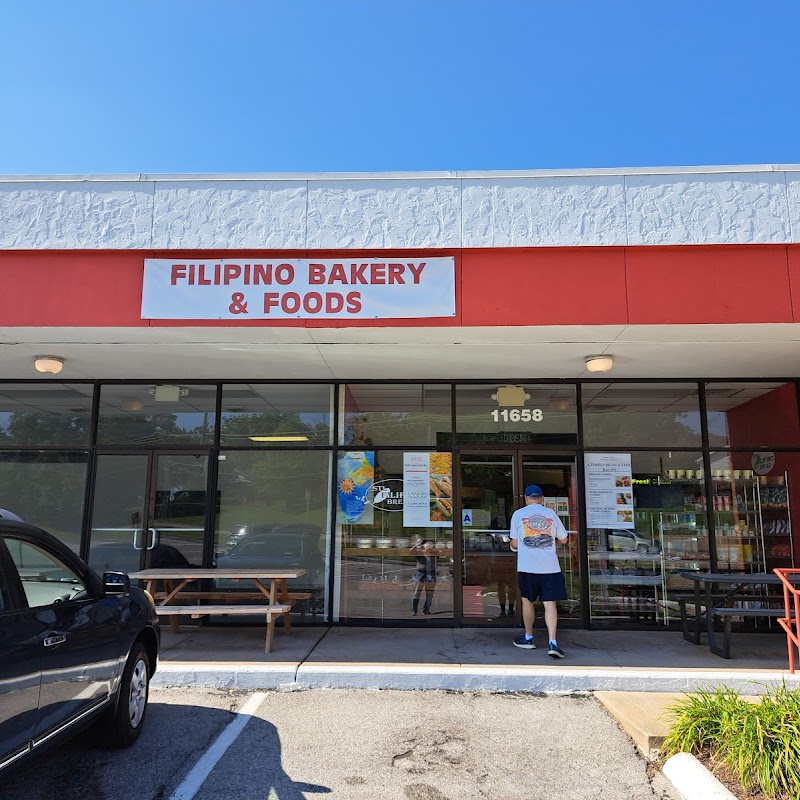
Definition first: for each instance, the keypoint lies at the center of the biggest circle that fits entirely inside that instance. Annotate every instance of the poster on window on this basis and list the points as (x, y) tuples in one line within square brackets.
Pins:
[(355, 474), (609, 490), (427, 490)]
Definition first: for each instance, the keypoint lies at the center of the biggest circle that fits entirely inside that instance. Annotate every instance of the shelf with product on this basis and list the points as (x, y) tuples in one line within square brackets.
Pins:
[(752, 521), (625, 579)]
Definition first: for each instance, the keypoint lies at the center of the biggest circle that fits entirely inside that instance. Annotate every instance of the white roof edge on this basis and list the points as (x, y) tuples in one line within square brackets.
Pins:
[(433, 175)]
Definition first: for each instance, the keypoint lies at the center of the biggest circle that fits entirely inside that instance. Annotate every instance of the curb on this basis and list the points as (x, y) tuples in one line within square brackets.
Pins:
[(692, 780), (556, 680)]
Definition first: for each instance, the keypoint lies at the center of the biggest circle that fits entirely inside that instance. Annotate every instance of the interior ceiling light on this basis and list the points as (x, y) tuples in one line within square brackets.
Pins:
[(278, 438), (132, 405), (511, 396), (52, 364), (599, 363), (559, 404)]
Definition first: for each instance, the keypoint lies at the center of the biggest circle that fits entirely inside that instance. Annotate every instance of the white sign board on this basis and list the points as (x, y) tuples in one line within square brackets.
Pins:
[(609, 490), (763, 463), (428, 490), (396, 287)]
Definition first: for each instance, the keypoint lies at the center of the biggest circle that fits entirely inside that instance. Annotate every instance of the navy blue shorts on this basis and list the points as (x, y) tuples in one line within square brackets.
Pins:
[(550, 586)]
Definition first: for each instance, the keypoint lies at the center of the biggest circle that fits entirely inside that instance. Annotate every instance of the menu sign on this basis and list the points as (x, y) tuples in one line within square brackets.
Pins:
[(609, 490), (232, 288), (428, 490)]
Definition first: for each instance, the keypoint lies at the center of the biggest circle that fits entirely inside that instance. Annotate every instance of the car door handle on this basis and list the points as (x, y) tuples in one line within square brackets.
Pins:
[(51, 641)]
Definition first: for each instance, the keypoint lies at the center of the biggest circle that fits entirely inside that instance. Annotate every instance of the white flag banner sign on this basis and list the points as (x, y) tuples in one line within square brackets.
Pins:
[(393, 288)]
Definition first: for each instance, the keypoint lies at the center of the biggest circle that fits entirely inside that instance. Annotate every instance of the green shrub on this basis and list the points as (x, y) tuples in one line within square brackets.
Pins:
[(757, 742)]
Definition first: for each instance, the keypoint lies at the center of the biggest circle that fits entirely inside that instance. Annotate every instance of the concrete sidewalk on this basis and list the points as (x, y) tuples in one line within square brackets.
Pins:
[(464, 659)]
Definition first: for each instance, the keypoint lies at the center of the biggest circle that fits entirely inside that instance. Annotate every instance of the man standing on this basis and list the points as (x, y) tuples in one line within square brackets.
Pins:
[(534, 530)]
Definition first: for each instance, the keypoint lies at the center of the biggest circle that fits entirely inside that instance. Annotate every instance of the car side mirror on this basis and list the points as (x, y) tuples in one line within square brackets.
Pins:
[(116, 583)]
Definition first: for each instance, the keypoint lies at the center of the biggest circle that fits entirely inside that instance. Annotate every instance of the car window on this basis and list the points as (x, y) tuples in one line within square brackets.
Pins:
[(275, 545), (5, 593), (45, 579)]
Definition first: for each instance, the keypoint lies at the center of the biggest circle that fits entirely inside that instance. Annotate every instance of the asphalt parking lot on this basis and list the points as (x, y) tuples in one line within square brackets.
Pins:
[(427, 745)]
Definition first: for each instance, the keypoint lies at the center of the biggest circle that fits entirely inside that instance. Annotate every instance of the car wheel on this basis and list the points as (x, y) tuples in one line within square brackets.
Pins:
[(641, 549), (127, 721)]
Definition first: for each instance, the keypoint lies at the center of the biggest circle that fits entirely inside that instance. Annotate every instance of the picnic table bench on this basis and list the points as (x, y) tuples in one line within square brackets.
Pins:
[(712, 604), (275, 602)]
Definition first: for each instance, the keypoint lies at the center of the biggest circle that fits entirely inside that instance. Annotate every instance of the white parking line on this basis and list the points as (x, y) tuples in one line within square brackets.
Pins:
[(202, 769)]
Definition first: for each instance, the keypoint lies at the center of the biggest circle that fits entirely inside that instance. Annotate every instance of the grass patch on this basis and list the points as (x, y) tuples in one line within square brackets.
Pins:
[(757, 742)]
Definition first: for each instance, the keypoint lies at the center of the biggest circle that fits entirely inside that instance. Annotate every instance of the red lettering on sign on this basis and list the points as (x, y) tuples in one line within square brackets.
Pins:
[(396, 273), (353, 302), (262, 273), (334, 302), (357, 273), (416, 271), (312, 302), (290, 303), (232, 272), (191, 274), (178, 272), (316, 273), (284, 274), (377, 274), (337, 274), (270, 300), (201, 276)]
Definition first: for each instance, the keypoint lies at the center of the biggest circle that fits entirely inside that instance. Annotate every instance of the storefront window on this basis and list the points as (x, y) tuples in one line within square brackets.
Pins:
[(641, 415), (516, 414), (395, 414), (274, 513), (46, 489), (635, 564), (138, 415), (755, 506), (752, 415), (395, 535), (263, 415), (45, 413)]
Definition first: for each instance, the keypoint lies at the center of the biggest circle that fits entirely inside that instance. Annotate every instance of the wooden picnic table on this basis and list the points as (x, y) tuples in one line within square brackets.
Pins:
[(715, 604), (276, 599)]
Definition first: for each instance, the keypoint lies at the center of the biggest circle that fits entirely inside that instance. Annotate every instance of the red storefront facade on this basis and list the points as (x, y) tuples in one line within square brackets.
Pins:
[(224, 434)]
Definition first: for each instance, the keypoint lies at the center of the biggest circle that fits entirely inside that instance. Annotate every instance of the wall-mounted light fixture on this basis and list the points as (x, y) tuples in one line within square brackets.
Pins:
[(599, 363), (51, 364), (511, 396)]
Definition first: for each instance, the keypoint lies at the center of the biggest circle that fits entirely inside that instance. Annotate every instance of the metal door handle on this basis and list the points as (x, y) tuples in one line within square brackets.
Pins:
[(153, 538), (51, 641), (138, 544)]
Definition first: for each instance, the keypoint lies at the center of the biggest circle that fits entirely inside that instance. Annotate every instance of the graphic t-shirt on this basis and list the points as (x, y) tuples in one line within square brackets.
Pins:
[(536, 529)]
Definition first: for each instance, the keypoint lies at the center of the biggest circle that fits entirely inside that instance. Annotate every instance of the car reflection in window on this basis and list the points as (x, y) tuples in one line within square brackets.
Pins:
[(268, 546)]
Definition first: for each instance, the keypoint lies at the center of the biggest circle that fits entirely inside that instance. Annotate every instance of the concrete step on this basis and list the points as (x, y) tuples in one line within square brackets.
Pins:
[(644, 716)]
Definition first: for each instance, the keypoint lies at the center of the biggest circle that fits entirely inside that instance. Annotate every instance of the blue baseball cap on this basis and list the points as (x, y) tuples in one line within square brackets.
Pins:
[(533, 491)]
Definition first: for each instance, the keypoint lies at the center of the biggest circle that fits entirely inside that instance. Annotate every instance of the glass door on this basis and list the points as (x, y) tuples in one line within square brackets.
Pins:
[(491, 488), (149, 510)]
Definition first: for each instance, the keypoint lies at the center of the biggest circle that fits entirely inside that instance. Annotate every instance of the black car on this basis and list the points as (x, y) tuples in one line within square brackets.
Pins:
[(74, 648)]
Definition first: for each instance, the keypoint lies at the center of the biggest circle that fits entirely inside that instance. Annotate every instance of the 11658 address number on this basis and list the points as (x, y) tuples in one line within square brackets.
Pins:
[(518, 415)]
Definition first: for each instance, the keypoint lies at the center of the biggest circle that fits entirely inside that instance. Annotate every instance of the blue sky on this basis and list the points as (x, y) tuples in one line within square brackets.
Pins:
[(310, 85)]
